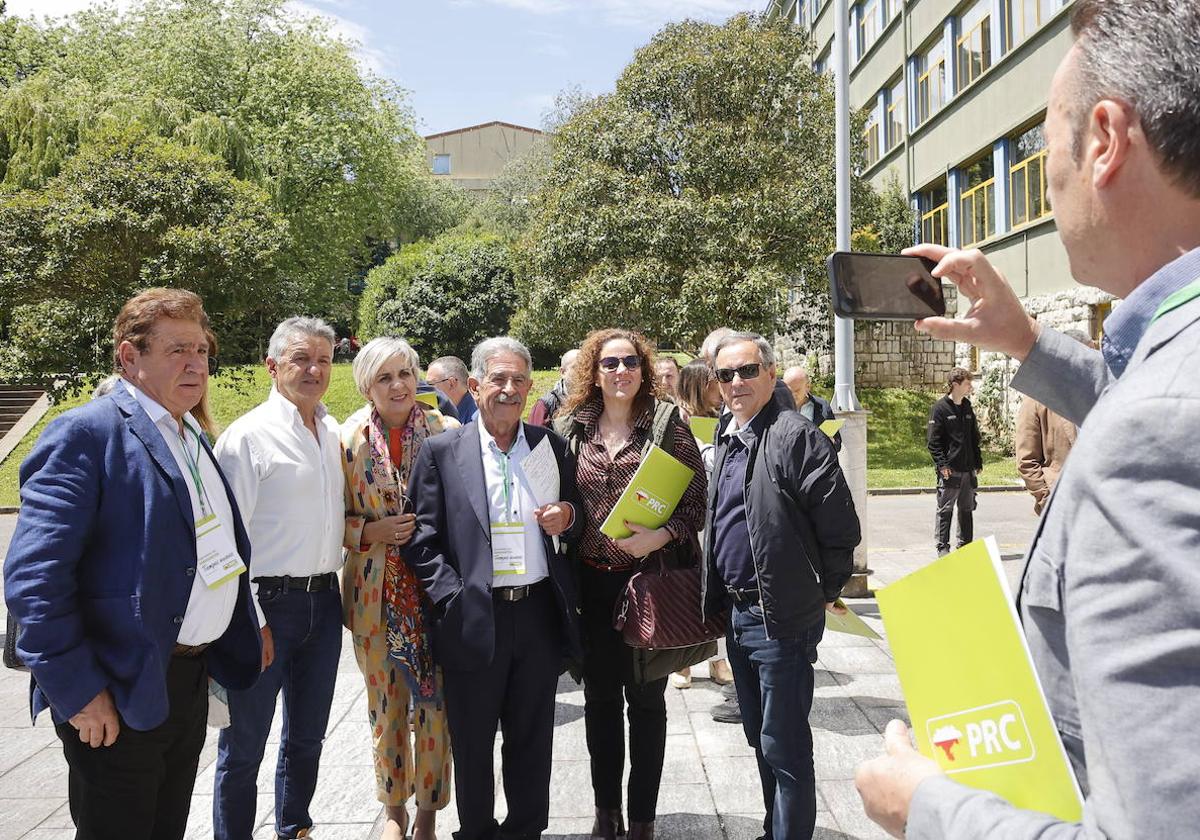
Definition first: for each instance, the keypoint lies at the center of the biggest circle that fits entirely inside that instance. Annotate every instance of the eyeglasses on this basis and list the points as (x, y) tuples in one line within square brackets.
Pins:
[(440, 381), (610, 363), (725, 375)]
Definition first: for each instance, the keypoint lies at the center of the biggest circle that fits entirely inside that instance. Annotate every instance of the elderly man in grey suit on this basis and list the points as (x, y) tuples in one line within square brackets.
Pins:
[(1110, 597)]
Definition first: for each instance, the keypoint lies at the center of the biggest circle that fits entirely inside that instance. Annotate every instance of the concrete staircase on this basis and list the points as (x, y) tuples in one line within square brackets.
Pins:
[(21, 406)]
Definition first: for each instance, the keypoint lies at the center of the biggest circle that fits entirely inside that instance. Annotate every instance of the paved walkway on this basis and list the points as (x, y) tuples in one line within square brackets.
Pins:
[(710, 782)]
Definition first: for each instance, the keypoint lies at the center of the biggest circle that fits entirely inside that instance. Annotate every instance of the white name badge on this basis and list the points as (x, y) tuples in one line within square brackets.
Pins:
[(508, 548), (217, 556)]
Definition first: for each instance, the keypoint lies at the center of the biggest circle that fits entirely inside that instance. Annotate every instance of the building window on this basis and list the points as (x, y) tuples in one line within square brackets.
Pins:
[(895, 114), (441, 164), (1027, 177), (868, 25), (801, 12), (974, 53), (974, 359), (871, 132), (935, 210), (977, 221), (1024, 17), (891, 9), (931, 81), (1096, 315)]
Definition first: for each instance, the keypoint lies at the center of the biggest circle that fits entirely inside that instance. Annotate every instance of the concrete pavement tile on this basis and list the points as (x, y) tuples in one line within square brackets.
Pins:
[(22, 815), (865, 660), (837, 714), (701, 697), (200, 816), (685, 799), (20, 744), (572, 828), (345, 794), (681, 763), (41, 775), (749, 827), (735, 785), (571, 790), (881, 715), (50, 834), (59, 819), (687, 826), (836, 755), (872, 689), (328, 831), (846, 806), (715, 739), (350, 743), (833, 639)]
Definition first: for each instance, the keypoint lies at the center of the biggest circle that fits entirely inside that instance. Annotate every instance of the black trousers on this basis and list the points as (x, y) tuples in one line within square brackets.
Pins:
[(140, 788), (516, 691), (957, 491), (609, 689)]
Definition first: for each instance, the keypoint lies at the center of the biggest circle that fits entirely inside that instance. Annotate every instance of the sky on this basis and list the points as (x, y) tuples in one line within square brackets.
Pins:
[(466, 62)]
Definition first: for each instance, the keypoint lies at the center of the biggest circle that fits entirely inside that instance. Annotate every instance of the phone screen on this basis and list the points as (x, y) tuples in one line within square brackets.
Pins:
[(884, 287)]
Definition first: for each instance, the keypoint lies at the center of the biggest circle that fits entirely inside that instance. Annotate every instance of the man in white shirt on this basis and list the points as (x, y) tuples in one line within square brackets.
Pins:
[(283, 462), (127, 572)]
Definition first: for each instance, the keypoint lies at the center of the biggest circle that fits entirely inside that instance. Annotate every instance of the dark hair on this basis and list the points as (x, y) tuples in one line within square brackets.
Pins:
[(693, 379), (581, 385), (1143, 52), (956, 376)]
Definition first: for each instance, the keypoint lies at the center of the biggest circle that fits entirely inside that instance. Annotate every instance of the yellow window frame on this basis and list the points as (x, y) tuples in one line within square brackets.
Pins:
[(1013, 171), (936, 222), (982, 193), (965, 77)]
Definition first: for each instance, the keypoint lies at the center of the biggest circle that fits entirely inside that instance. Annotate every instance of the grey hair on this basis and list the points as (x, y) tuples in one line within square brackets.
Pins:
[(489, 347), (708, 350), (295, 327), (765, 351), (452, 366), (105, 386), (1144, 53), (373, 356)]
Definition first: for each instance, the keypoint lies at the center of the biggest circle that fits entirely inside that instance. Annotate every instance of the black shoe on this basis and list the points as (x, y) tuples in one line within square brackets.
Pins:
[(727, 712)]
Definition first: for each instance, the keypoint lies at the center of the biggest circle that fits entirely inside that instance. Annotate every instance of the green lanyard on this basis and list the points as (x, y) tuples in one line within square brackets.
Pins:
[(504, 459), (193, 465), (1178, 299)]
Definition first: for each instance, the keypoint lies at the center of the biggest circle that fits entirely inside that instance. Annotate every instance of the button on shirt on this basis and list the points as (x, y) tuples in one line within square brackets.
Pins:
[(731, 532), (208, 610), (289, 486), (521, 503)]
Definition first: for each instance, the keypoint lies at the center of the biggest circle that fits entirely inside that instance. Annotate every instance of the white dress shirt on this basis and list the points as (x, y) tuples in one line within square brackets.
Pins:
[(521, 503), (289, 487), (208, 610)]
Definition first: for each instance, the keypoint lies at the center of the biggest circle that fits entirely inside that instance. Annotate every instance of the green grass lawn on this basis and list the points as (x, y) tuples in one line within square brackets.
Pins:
[(896, 454)]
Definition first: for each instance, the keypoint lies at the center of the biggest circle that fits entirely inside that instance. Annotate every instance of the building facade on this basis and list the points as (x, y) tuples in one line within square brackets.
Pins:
[(471, 157)]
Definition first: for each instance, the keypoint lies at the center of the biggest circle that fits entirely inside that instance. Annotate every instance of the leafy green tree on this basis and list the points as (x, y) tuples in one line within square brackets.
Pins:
[(692, 196), (132, 210), (443, 296)]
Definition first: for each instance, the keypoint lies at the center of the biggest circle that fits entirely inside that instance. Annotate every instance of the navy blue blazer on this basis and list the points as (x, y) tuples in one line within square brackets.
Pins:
[(451, 549), (101, 566)]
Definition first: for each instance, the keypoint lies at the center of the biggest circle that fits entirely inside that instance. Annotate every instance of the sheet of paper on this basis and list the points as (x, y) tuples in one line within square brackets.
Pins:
[(848, 623), (541, 471), (652, 494), (832, 427), (973, 695)]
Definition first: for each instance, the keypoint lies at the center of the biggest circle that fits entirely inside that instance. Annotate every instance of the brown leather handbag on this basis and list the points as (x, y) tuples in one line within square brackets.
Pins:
[(661, 605)]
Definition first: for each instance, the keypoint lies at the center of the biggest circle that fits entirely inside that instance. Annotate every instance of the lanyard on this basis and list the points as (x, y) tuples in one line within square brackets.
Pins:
[(1178, 299), (504, 471), (193, 465)]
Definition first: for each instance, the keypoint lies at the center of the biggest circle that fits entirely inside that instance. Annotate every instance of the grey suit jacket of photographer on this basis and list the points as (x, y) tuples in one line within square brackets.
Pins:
[(1110, 597)]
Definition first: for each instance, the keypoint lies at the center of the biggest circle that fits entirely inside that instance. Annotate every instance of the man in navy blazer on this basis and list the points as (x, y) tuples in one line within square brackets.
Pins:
[(489, 550), (124, 614)]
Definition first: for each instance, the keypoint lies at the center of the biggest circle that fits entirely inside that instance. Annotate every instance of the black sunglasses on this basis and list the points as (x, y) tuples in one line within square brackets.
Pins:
[(726, 375), (609, 363)]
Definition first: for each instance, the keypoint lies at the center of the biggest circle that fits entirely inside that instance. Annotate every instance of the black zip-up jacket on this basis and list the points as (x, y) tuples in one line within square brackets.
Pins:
[(953, 436), (802, 523)]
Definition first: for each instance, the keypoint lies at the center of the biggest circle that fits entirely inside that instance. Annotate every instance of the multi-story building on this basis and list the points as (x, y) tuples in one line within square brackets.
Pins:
[(471, 157), (956, 97)]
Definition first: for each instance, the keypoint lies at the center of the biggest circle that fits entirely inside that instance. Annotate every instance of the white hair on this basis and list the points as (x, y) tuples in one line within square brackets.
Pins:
[(765, 351), (708, 350), (490, 347), (375, 354), (295, 327)]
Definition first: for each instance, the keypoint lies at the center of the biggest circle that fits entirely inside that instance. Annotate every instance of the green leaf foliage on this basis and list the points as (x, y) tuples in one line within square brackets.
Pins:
[(443, 295)]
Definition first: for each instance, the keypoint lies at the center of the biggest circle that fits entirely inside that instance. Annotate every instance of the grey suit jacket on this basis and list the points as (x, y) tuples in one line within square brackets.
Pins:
[(1110, 598)]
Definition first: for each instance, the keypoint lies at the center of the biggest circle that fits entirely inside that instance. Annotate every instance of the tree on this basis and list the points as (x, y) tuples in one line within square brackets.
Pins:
[(443, 296), (692, 196), (131, 210)]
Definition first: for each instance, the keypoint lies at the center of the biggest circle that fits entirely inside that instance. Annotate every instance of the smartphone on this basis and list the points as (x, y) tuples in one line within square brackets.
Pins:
[(884, 287)]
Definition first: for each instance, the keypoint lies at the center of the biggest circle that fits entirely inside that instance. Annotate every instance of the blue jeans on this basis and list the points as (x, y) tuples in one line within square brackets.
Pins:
[(774, 681), (307, 631)]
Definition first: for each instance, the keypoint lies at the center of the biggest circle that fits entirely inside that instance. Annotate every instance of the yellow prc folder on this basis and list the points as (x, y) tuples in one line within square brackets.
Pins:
[(848, 623), (976, 705), (832, 427), (651, 496), (704, 429), (429, 398)]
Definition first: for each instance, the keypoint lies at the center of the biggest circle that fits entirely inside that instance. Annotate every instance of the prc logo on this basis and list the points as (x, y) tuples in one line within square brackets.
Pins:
[(986, 736), (650, 502)]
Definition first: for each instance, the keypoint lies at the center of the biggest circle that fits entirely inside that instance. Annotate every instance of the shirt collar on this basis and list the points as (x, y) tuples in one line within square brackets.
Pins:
[(488, 443), (748, 433), (159, 415), (1124, 328), (288, 408)]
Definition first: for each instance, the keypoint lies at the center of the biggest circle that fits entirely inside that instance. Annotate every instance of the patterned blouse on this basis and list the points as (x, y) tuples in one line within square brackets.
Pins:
[(602, 479)]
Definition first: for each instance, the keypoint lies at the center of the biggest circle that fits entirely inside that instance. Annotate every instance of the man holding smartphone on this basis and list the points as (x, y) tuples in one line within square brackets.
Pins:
[(953, 440)]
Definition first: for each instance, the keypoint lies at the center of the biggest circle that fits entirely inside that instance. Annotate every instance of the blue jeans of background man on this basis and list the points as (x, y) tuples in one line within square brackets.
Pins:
[(774, 681), (307, 631)]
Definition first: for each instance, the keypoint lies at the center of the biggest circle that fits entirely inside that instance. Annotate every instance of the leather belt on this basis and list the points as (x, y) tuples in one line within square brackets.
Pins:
[(313, 583), (189, 651), (516, 593), (744, 597)]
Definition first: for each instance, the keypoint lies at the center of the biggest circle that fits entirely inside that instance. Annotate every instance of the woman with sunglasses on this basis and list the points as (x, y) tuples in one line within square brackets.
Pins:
[(383, 605), (609, 418)]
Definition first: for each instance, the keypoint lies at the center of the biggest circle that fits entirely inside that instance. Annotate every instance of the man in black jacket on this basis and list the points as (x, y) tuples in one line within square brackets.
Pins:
[(953, 439), (780, 543)]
